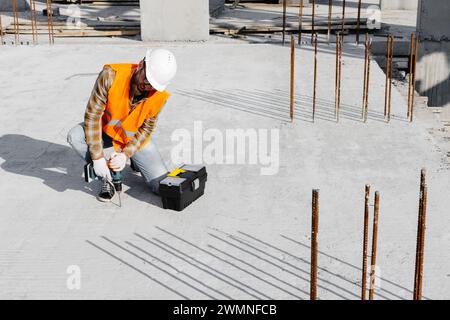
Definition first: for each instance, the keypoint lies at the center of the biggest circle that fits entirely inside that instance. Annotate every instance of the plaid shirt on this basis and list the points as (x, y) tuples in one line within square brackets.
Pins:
[(93, 117)]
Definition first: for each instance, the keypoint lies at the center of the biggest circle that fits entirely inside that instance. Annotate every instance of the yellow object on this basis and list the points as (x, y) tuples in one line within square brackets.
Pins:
[(176, 172), (118, 122)]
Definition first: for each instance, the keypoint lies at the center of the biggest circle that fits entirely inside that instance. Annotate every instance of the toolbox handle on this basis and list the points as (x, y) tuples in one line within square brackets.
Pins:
[(195, 184)]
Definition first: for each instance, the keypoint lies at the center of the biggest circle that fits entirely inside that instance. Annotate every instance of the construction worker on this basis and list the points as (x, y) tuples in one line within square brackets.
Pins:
[(120, 117)]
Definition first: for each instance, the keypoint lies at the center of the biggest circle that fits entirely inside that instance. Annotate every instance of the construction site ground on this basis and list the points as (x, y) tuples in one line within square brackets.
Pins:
[(248, 237)]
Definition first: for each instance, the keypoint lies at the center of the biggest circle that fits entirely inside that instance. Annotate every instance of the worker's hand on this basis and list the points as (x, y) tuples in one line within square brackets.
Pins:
[(117, 161), (101, 168)]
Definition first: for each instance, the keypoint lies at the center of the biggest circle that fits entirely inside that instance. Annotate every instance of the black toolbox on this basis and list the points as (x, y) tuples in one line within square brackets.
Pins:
[(183, 186)]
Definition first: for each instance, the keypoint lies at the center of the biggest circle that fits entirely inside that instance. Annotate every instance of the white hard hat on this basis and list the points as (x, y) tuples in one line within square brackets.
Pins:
[(161, 67)]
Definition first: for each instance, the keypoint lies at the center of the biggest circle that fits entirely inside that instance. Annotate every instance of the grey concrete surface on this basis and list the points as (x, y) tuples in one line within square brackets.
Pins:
[(399, 4), (248, 237), (175, 20), (7, 6), (433, 26)]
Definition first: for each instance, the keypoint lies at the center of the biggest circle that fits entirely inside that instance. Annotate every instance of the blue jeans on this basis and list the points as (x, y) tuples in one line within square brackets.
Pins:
[(148, 160)]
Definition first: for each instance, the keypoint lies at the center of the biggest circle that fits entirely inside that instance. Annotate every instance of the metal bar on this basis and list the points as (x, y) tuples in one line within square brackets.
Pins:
[(314, 247), (292, 78), (340, 73), (1, 30), (369, 52), (284, 20), (336, 78), (391, 72), (16, 22), (50, 22), (343, 18), (365, 78), (313, 20), (420, 236), (414, 76), (358, 22), (300, 22), (411, 50), (315, 78), (35, 20), (386, 86), (374, 245), (330, 9), (365, 243)]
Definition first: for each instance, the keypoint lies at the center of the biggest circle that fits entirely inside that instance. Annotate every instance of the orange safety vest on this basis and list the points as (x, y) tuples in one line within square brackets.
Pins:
[(118, 122)]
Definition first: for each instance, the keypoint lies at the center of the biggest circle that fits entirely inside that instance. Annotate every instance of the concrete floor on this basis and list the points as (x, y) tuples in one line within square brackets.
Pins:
[(248, 237)]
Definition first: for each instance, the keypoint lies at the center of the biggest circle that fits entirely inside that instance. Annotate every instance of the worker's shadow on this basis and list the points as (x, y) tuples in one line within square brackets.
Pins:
[(59, 167)]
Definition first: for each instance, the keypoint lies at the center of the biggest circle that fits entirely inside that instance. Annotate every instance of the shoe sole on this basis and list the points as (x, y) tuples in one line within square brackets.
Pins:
[(103, 199)]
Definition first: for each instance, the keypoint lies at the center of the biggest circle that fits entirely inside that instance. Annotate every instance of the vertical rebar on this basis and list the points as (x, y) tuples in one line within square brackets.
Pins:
[(292, 78), (416, 54), (300, 22), (16, 21), (369, 53), (358, 22), (313, 20), (374, 245), (411, 52), (1, 30), (315, 77), (386, 90), (391, 74), (343, 18), (50, 22), (284, 20), (330, 9), (314, 247), (338, 75), (420, 237), (365, 78), (365, 243)]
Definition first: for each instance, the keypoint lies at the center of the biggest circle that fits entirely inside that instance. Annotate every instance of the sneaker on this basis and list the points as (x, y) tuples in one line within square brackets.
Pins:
[(107, 192)]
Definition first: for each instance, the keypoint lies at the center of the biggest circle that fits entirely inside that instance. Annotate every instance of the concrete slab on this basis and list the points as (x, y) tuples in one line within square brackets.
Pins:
[(248, 237)]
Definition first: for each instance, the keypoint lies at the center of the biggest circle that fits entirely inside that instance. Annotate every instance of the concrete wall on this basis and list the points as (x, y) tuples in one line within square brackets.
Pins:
[(6, 5), (174, 20), (433, 73), (215, 7), (399, 4)]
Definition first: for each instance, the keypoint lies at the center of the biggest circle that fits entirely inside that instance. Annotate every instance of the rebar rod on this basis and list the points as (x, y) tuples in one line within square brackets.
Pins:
[(365, 78), (16, 22), (369, 53), (336, 77), (340, 74), (391, 73), (411, 52), (358, 22), (315, 78), (343, 18), (414, 76), (374, 245), (314, 246), (300, 22), (421, 226), (1, 30), (313, 20), (365, 243), (386, 86), (284, 20), (292, 78)]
